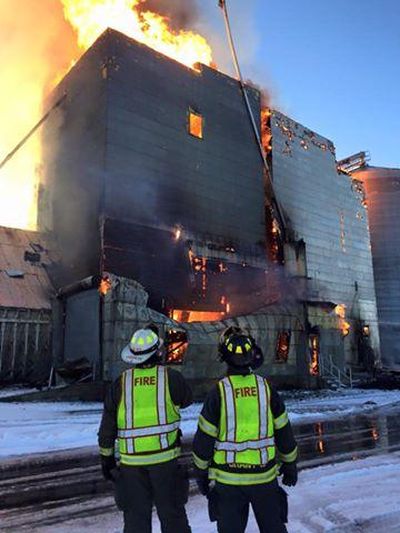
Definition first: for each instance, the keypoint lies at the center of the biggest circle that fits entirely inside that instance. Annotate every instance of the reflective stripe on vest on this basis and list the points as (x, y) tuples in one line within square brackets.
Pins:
[(149, 459), (245, 478), (246, 429), (145, 432), (245, 445), (147, 419)]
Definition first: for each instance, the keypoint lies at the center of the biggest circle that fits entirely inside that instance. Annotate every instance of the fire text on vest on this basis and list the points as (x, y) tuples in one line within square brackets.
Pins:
[(145, 380), (246, 391)]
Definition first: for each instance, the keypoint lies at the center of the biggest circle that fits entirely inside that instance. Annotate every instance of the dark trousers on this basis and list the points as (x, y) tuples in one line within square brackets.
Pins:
[(233, 503), (164, 485)]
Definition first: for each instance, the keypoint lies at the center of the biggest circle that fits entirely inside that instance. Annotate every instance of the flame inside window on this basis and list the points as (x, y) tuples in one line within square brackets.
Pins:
[(282, 347), (176, 343), (314, 355), (188, 315), (195, 124)]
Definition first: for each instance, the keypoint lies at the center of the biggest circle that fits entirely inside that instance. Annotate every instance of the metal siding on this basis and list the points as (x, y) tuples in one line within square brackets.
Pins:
[(213, 185), (383, 196), (314, 196), (82, 323), (123, 152), (73, 141)]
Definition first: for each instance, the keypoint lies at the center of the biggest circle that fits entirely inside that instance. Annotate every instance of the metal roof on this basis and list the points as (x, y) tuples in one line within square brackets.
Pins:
[(32, 289)]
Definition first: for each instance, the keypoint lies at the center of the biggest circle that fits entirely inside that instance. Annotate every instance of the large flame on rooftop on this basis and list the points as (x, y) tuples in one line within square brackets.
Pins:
[(39, 46), (91, 17)]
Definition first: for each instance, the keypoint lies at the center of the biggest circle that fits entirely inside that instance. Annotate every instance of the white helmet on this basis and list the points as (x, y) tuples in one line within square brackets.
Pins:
[(143, 344)]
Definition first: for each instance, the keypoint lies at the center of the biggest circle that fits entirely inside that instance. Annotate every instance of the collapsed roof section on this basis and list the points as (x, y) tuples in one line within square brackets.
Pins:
[(24, 282)]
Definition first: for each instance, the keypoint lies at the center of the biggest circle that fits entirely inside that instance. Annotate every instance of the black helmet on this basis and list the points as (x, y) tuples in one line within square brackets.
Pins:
[(236, 348), (258, 357)]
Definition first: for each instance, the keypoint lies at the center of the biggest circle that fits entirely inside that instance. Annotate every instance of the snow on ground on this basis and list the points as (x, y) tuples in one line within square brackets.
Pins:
[(12, 391), (44, 426), (39, 427), (349, 497)]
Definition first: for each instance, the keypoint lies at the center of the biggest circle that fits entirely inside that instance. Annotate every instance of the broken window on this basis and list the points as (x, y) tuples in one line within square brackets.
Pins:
[(176, 344), (190, 315), (314, 354), (274, 237), (282, 347), (195, 124), (365, 330), (33, 257)]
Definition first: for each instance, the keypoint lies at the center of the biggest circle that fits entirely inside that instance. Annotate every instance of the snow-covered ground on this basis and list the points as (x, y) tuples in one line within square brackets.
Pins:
[(355, 496), (44, 426)]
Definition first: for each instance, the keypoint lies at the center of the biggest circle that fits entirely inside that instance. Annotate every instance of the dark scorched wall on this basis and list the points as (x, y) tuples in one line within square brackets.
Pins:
[(121, 173)]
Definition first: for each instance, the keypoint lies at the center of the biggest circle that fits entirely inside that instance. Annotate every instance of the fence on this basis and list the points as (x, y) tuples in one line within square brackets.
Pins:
[(25, 345)]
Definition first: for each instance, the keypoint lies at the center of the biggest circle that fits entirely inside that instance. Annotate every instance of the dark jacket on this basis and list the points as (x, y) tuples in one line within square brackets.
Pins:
[(203, 445), (180, 392)]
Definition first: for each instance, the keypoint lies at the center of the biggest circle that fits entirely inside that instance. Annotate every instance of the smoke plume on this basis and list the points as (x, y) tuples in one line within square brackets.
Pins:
[(182, 14)]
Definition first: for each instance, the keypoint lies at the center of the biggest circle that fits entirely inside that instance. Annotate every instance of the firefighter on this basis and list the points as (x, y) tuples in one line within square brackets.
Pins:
[(243, 435), (141, 411)]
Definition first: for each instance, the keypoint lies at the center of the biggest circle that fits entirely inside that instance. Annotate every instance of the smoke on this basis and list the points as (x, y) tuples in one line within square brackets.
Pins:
[(182, 14), (265, 94), (36, 45), (245, 23)]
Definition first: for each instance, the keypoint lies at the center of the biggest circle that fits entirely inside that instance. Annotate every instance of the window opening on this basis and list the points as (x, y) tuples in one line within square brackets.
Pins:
[(314, 354), (176, 344), (282, 347), (195, 124), (191, 315)]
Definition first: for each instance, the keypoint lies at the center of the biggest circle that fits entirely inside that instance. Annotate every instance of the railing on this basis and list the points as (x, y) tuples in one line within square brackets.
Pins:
[(343, 377)]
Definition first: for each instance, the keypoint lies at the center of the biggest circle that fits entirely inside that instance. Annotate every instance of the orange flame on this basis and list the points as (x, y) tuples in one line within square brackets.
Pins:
[(91, 17), (340, 311), (39, 47), (105, 286), (314, 353), (190, 315)]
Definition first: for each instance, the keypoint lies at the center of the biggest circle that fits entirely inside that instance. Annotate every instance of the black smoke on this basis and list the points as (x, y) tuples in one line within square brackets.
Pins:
[(182, 14)]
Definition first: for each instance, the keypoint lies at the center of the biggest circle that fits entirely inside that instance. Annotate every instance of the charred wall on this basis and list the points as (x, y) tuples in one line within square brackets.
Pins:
[(73, 155), (383, 198), (121, 170)]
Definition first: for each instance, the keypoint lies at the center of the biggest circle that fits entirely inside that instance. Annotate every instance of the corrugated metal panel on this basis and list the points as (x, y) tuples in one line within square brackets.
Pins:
[(325, 210), (33, 290), (383, 196)]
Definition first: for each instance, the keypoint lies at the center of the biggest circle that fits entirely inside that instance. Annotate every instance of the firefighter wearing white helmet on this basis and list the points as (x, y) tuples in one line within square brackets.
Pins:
[(145, 343), (141, 412)]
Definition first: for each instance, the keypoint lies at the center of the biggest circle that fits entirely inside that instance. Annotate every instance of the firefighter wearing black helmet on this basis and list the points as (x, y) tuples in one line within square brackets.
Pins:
[(243, 440)]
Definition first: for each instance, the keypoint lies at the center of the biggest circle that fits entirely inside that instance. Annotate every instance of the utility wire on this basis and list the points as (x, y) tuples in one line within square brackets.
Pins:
[(31, 132), (223, 6)]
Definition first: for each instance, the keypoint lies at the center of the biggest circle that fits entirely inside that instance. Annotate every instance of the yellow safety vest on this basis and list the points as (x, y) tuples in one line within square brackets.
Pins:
[(246, 430), (147, 419)]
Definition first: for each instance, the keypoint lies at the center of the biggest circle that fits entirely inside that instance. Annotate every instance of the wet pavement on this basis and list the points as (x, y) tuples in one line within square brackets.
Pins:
[(350, 438)]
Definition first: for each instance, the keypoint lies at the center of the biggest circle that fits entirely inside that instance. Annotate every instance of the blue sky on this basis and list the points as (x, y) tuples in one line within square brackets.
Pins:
[(333, 66)]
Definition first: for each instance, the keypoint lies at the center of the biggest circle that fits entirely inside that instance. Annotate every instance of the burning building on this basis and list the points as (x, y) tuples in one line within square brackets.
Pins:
[(328, 245), (382, 187), (153, 185)]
